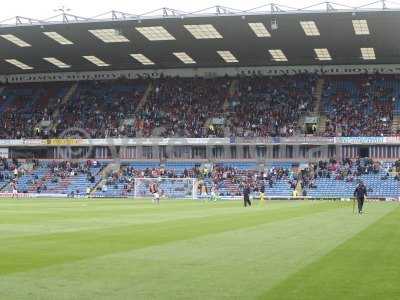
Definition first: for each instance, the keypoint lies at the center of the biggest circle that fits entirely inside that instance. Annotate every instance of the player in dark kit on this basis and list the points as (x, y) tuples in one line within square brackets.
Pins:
[(246, 195), (360, 192)]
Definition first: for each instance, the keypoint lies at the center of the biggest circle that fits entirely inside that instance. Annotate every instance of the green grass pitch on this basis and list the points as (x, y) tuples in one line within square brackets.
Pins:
[(132, 249)]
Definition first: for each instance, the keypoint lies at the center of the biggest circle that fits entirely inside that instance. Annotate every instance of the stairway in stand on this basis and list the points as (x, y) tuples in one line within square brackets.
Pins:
[(319, 88), (146, 94), (233, 88), (318, 108), (64, 100)]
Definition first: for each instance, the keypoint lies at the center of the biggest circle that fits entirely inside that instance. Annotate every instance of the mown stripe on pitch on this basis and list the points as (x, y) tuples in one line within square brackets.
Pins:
[(24, 253), (33, 212), (367, 266), (236, 264)]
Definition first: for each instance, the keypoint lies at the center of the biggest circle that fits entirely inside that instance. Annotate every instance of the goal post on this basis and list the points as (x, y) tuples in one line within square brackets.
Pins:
[(182, 188)]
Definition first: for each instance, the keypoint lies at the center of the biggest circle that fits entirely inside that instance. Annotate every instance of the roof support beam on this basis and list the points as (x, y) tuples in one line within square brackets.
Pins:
[(271, 8), (275, 8), (329, 7)]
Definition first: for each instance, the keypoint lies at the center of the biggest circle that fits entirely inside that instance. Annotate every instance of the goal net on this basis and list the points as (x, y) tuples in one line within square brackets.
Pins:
[(168, 187)]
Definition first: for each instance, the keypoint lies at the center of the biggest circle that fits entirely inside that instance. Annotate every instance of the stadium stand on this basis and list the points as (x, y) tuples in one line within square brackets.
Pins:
[(54, 177), (180, 107), (321, 179), (271, 106), (255, 106), (362, 105), (26, 110), (103, 108)]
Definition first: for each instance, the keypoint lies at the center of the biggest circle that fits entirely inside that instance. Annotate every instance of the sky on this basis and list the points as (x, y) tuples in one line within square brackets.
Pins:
[(40, 9)]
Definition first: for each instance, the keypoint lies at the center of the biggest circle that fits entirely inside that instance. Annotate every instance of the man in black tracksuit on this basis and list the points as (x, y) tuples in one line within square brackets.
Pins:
[(360, 192), (246, 195)]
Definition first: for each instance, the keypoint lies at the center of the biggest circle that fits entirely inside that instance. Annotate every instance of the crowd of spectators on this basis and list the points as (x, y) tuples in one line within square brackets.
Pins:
[(222, 177), (252, 106), (302, 176), (56, 171), (184, 107), (360, 106), (271, 106), (235, 179), (102, 109), (347, 170), (62, 169), (8, 170), (23, 108)]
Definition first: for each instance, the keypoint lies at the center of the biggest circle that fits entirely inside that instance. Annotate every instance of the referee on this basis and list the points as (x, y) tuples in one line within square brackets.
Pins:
[(360, 192), (246, 195)]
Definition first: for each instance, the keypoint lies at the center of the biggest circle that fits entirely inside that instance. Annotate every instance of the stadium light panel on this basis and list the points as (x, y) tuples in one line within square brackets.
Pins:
[(227, 56), (58, 38), (15, 40), (144, 60), (322, 54), (184, 57), (259, 29), (278, 55), (155, 33), (58, 63), (109, 35), (19, 64), (96, 61), (204, 31), (310, 28), (360, 27), (368, 53)]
